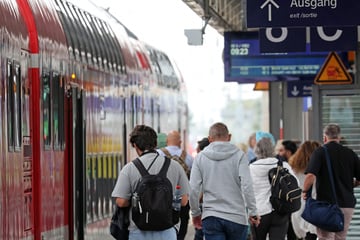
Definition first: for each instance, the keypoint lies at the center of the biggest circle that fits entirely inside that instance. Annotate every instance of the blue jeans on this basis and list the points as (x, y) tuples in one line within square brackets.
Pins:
[(168, 234), (215, 228)]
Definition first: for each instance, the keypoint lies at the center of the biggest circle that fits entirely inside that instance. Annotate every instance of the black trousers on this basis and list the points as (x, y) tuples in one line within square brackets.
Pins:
[(273, 224), (290, 233), (184, 221)]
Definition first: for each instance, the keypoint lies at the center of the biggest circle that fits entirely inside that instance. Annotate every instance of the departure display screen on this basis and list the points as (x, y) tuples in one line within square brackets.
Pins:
[(245, 64)]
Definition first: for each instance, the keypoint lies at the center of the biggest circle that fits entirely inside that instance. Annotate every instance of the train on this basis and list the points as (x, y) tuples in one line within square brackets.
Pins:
[(74, 82)]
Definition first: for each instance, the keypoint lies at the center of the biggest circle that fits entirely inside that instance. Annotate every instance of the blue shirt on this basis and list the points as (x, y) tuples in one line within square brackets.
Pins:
[(175, 150)]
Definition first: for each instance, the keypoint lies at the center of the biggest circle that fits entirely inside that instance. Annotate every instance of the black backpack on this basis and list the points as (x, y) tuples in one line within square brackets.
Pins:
[(152, 200), (285, 191)]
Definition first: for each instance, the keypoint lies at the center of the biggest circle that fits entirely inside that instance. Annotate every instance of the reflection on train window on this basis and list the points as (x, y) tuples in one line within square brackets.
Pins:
[(133, 110), (14, 105), (17, 105), (57, 94), (10, 107), (46, 109)]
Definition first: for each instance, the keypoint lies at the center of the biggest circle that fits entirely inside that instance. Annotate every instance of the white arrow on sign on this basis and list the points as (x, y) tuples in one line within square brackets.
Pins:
[(269, 2), (294, 92)]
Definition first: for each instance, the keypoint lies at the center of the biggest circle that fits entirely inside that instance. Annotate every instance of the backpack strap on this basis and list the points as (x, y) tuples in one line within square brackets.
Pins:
[(165, 167), (280, 160), (138, 164), (143, 171), (183, 155), (166, 152)]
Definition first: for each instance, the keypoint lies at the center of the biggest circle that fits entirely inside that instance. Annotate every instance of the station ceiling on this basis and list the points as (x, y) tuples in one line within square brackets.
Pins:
[(223, 15)]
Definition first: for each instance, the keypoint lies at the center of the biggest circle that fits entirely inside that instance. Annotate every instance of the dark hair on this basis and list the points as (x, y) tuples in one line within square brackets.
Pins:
[(289, 145), (203, 143), (144, 137)]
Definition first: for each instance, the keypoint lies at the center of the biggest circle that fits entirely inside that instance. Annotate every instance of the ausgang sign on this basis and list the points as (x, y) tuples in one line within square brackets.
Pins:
[(287, 13)]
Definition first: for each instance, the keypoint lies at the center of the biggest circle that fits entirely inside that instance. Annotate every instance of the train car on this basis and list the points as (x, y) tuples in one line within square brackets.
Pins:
[(74, 82)]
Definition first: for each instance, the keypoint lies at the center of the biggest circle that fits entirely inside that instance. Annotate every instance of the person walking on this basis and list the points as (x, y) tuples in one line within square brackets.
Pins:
[(287, 148), (251, 145), (173, 148), (273, 224), (346, 172), (221, 173), (144, 139), (298, 163)]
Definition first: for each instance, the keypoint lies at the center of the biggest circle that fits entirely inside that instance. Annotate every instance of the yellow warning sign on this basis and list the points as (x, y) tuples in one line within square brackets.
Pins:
[(333, 71)]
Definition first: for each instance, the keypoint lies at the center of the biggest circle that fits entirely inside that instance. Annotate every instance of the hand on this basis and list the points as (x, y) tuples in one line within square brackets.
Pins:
[(304, 195), (197, 222), (254, 220)]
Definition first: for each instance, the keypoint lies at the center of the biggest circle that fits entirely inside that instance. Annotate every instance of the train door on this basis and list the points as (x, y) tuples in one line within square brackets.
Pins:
[(76, 160), (15, 172)]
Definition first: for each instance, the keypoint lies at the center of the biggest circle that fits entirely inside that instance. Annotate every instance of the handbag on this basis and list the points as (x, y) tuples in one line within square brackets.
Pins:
[(119, 223), (322, 214)]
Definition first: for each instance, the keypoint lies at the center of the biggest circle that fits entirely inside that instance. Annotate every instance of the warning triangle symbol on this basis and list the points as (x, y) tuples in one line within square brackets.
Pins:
[(333, 71)]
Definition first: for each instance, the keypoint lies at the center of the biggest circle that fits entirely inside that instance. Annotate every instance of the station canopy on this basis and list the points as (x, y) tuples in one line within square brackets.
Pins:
[(222, 15)]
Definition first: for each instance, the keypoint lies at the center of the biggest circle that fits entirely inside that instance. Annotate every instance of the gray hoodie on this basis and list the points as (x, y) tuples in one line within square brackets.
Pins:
[(222, 173)]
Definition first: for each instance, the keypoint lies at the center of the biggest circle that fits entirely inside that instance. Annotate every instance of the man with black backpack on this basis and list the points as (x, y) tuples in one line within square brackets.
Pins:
[(148, 184)]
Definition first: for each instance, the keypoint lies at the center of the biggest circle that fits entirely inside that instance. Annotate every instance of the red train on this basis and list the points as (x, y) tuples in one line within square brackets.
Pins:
[(73, 83)]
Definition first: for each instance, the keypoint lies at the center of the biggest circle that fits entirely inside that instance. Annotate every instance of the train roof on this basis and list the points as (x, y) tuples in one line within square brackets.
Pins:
[(89, 35)]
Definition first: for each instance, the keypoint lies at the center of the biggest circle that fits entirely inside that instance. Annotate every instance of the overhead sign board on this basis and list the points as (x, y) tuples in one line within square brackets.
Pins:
[(299, 88), (333, 38), (322, 39), (276, 13), (245, 64), (333, 71)]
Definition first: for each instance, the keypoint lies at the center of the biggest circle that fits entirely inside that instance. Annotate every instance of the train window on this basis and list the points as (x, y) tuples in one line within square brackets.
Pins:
[(13, 74), (57, 93), (61, 112), (17, 105), (10, 104), (46, 109), (133, 110)]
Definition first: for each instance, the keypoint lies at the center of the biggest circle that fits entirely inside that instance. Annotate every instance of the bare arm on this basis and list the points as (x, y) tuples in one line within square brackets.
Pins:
[(122, 202), (184, 199), (308, 182)]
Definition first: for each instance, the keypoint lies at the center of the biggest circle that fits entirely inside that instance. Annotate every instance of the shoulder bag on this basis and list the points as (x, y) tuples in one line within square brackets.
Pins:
[(119, 223)]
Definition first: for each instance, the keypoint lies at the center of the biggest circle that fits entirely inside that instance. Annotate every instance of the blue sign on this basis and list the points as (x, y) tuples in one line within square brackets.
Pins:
[(245, 64), (282, 40), (322, 39), (276, 13), (333, 39), (299, 88)]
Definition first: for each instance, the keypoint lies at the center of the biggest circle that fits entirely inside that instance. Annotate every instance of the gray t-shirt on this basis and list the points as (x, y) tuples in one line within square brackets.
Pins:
[(129, 177)]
